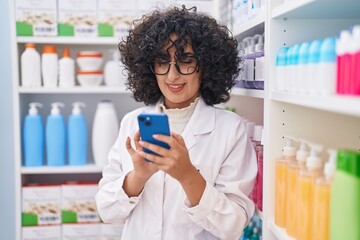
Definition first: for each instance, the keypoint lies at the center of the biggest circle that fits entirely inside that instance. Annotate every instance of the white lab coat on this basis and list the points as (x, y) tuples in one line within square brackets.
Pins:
[(219, 148)]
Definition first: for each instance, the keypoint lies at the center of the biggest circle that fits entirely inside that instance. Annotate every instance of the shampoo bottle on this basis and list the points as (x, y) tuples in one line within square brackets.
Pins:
[(314, 60), (55, 137), (77, 136), (322, 190), (281, 69), (66, 70), (326, 83), (281, 166), (30, 67), (304, 80), (33, 137), (355, 62)]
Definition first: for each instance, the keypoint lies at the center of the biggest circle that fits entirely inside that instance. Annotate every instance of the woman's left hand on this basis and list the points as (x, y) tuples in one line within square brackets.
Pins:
[(174, 161)]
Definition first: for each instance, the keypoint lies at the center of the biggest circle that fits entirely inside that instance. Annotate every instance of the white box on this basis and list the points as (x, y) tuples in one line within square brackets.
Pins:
[(81, 231), (77, 18), (115, 17), (111, 231), (36, 18), (41, 205), (78, 203), (41, 233)]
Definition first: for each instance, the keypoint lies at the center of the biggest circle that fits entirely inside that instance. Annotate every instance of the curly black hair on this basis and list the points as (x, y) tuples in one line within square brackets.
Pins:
[(214, 47)]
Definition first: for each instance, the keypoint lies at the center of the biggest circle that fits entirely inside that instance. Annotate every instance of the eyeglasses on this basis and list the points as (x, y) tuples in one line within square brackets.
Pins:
[(184, 67)]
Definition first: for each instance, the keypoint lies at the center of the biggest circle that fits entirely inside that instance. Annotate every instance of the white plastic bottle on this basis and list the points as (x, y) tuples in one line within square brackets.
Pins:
[(113, 71), (30, 67), (66, 70), (105, 130), (259, 62), (49, 66)]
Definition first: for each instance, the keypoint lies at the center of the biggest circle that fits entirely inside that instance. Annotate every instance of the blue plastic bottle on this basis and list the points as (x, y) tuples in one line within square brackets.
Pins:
[(77, 136), (55, 137), (33, 137)]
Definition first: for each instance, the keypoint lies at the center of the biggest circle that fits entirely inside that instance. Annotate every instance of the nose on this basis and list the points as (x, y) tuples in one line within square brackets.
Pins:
[(173, 72)]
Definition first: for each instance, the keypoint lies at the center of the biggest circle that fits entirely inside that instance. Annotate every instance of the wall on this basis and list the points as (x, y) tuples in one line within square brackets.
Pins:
[(7, 166)]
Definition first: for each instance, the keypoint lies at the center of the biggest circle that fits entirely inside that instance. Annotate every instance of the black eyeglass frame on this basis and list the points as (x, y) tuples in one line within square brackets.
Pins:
[(196, 68)]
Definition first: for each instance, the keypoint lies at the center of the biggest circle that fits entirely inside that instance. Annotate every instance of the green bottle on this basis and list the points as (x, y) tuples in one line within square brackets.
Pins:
[(345, 197)]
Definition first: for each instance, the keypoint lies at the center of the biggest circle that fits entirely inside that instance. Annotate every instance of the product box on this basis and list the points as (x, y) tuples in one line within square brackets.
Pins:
[(41, 233), (111, 231), (115, 17), (36, 18), (77, 18), (81, 231), (78, 203), (41, 205)]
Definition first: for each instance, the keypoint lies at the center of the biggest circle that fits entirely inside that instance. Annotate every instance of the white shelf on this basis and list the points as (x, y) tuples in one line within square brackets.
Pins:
[(61, 170), (248, 92), (280, 233), (250, 28), (70, 40), (348, 105), (314, 9), (73, 90)]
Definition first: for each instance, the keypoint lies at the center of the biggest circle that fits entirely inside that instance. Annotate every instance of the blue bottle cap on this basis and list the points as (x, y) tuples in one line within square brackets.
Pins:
[(281, 57), (295, 54), (328, 50), (314, 51), (304, 53)]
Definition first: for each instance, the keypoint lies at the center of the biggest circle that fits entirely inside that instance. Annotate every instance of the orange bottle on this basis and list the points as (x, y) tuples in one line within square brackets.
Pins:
[(281, 166), (322, 191), (305, 197), (291, 204)]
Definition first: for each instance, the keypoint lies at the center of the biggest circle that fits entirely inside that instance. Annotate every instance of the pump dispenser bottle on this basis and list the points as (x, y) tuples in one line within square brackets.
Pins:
[(306, 180), (322, 189), (77, 136), (56, 137), (33, 137), (281, 166), (291, 193)]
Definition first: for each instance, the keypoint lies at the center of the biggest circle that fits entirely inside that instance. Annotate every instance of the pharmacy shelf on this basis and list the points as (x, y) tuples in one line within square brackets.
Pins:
[(61, 170), (314, 9), (70, 40), (348, 105), (279, 233), (74, 90), (248, 92), (250, 28)]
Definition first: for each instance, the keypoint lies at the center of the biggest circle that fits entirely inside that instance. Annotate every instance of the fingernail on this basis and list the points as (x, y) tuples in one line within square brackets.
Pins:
[(155, 136)]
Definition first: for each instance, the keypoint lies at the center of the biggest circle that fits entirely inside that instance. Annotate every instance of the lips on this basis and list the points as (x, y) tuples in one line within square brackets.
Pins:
[(176, 87)]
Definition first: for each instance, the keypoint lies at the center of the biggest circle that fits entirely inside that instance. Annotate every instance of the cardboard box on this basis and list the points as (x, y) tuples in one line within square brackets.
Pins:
[(77, 18), (41, 233), (81, 231), (111, 231), (41, 205), (36, 18)]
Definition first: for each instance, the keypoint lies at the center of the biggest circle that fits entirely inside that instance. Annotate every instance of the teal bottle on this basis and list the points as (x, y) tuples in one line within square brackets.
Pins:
[(77, 136), (55, 135), (33, 137)]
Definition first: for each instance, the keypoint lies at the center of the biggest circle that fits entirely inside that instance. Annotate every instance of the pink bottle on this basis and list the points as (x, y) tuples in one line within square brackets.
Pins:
[(257, 140), (343, 62), (355, 62)]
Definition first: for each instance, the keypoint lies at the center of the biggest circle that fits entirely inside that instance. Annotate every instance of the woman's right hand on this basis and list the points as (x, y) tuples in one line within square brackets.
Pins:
[(142, 168)]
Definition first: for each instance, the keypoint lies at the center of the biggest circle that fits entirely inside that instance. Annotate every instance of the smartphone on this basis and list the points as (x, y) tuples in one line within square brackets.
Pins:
[(153, 123)]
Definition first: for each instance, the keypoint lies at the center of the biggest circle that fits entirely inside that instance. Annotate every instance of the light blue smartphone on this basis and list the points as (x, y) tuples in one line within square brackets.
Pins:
[(153, 123)]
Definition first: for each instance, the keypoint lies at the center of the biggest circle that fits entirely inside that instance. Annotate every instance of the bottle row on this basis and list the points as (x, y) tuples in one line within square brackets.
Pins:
[(315, 200), (49, 71), (61, 142), (244, 10), (326, 67)]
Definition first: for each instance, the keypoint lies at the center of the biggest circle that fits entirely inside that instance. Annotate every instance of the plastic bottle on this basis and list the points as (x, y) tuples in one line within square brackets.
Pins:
[(355, 62), (294, 68), (259, 62), (105, 130), (77, 136), (304, 80), (305, 184), (30, 67), (55, 137), (281, 64), (314, 60), (114, 74), (258, 143), (33, 137), (322, 190), (343, 62), (326, 83), (66, 70), (345, 197), (289, 69), (49, 66), (281, 166), (291, 202), (249, 62)]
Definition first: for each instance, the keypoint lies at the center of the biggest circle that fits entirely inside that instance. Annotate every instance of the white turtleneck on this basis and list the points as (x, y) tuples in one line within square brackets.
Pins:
[(179, 117)]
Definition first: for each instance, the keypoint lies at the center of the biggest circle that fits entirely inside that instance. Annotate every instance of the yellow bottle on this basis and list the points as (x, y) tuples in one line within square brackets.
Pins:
[(305, 182), (281, 166), (292, 172), (322, 191)]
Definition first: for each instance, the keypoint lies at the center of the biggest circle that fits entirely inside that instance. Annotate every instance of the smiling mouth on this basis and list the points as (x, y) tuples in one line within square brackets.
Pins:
[(176, 86)]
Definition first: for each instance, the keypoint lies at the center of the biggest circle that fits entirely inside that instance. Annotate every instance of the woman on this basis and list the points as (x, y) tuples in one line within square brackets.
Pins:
[(181, 63)]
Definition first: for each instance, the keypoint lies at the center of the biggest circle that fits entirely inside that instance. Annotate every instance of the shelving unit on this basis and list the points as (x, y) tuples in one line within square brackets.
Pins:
[(91, 168)]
